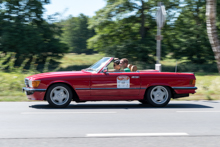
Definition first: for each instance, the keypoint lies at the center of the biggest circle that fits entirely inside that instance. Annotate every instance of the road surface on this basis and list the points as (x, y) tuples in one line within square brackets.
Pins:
[(107, 124)]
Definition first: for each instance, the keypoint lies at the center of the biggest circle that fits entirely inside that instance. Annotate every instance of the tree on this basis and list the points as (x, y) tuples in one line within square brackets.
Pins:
[(76, 33), (126, 28), (24, 31), (187, 36), (212, 29)]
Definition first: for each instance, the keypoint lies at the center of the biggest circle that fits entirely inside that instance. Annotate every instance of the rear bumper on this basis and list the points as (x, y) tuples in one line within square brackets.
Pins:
[(184, 88), (34, 94), (183, 91)]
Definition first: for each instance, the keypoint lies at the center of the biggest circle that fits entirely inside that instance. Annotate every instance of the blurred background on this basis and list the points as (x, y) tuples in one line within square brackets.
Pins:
[(50, 35)]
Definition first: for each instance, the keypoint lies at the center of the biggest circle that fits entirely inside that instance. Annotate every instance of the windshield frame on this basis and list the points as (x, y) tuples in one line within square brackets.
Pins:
[(102, 63)]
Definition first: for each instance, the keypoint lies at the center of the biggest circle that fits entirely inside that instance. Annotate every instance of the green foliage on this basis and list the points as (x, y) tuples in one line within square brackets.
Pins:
[(126, 28), (76, 33), (24, 31), (187, 36)]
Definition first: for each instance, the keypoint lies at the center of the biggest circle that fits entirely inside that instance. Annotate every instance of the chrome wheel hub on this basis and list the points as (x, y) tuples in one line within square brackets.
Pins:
[(59, 95), (159, 94)]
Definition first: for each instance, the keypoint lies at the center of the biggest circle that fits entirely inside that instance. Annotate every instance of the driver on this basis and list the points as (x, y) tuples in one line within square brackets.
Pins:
[(124, 65), (116, 65)]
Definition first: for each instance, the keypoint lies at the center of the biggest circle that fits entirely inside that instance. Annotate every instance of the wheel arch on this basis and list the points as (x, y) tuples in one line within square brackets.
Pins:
[(75, 96)]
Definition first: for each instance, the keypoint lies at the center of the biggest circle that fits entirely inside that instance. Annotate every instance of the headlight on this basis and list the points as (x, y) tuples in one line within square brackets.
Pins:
[(34, 83)]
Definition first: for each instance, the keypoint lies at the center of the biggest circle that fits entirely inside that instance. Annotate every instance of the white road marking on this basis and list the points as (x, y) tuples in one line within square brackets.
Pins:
[(199, 111), (68, 112), (135, 134)]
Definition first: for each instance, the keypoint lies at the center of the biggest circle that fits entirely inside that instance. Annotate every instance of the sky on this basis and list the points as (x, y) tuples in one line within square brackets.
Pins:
[(73, 7)]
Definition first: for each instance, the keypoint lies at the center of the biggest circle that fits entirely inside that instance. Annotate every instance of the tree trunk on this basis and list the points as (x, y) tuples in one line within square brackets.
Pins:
[(142, 30), (212, 30)]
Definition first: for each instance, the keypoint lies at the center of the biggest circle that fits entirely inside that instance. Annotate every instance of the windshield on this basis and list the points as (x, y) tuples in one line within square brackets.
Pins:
[(98, 65)]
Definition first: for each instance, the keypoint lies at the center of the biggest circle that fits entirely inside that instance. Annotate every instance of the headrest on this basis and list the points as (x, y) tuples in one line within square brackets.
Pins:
[(129, 66), (134, 68)]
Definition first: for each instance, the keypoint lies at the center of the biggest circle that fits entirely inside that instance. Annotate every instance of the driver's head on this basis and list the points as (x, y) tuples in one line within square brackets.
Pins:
[(124, 63), (116, 64)]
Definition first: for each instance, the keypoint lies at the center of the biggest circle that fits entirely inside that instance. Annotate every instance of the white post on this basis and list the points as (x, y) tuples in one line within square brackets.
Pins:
[(160, 18), (158, 45)]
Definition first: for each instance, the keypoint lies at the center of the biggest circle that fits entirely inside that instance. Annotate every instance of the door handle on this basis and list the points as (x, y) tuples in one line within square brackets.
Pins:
[(135, 77)]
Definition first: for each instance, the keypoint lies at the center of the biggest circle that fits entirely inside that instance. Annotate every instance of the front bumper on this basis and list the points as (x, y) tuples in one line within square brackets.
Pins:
[(34, 94), (30, 91)]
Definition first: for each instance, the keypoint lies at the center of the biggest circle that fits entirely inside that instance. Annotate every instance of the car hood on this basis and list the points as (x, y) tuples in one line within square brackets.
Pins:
[(57, 74)]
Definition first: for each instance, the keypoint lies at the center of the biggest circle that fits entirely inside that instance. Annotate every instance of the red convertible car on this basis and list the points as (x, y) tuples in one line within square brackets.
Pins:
[(96, 83)]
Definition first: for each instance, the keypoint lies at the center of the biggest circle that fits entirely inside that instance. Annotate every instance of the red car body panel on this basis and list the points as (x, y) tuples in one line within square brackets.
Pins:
[(168, 79), (37, 96), (91, 86)]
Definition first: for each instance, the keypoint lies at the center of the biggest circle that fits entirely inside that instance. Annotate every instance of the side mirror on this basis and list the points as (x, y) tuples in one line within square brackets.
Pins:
[(105, 70)]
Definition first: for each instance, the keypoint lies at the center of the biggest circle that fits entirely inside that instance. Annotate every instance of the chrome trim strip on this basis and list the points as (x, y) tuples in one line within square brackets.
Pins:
[(33, 90), (82, 88), (105, 88), (176, 88), (111, 88), (184, 88)]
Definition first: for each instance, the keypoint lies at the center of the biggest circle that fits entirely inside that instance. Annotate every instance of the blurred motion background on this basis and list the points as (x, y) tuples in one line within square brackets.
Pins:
[(34, 41)]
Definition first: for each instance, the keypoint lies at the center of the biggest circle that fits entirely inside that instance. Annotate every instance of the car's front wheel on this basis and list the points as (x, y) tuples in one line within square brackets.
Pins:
[(59, 95), (158, 96)]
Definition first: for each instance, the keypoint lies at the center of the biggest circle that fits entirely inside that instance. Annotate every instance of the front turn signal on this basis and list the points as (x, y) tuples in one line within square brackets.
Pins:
[(192, 82), (35, 84)]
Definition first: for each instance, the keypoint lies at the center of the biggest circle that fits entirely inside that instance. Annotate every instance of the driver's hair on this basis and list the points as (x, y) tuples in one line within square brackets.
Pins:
[(117, 62), (125, 60)]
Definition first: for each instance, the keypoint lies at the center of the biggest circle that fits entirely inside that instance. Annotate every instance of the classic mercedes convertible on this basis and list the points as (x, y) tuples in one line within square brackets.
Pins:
[(96, 83)]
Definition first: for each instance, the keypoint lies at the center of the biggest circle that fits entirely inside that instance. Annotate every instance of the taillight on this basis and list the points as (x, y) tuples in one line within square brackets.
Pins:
[(192, 81)]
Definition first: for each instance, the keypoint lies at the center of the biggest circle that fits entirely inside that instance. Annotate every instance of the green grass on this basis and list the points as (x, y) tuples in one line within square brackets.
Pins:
[(11, 83), (11, 86), (14, 99)]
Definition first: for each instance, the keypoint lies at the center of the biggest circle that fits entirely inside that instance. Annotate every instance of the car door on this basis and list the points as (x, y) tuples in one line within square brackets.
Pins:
[(115, 84)]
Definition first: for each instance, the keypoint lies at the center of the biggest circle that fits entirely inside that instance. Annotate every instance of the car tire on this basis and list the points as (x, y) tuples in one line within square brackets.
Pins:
[(158, 96), (59, 95)]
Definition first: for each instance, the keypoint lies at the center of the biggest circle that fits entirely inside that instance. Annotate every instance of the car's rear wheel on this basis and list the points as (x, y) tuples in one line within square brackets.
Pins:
[(59, 95), (158, 96)]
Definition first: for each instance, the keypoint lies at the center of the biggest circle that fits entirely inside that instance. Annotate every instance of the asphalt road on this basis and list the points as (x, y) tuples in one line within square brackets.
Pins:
[(107, 124)]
